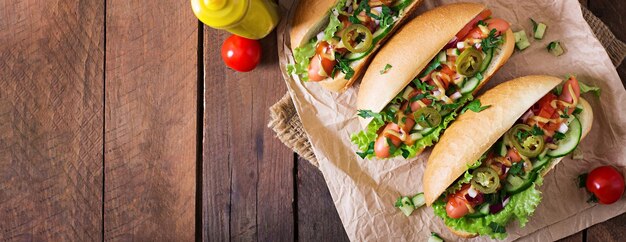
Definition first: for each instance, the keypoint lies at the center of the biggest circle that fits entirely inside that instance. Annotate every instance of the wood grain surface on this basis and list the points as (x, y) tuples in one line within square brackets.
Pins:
[(247, 172), (51, 76), (106, 108), (150, 121)]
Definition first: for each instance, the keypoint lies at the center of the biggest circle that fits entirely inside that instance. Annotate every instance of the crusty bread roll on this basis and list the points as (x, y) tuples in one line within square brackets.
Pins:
[(411, 49), (472, 134), (586, 120), (311, 17)]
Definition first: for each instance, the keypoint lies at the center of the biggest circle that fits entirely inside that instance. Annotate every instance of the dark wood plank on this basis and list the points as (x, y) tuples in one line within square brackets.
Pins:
[(51, 88), (150, 121), (611, 230), (247, 172), (577, 237), (612, 14), (317, 216)]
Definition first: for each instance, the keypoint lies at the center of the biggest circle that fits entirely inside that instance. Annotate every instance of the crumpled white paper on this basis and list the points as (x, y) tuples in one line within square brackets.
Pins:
[(364, 191)]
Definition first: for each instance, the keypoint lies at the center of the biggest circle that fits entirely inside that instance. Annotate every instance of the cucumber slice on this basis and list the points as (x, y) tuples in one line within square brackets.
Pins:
[(481, 212), (426, 131), (442, 56), (406, 206), (517, 184), (500, 148), (487, 60), (503, 149), (434, 238), (470, 85), (540, 163), (401, 5), (555, 48), (419, 200), (521, 41), (570, 142), (357, 56), (540, 30), (484, 209)]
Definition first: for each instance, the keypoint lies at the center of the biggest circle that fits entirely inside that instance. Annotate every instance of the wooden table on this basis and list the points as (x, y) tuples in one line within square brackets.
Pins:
[(118, 121)]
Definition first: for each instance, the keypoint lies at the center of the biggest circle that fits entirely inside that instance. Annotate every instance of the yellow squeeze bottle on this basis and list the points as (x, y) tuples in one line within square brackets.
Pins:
[(252, 19)]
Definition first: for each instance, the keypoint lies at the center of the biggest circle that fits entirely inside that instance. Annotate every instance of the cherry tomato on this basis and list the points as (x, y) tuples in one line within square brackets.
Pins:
[(566, 95), (456, 207), (500, 25), (381, 147), (606, 183), (481, 16), (241, 54)]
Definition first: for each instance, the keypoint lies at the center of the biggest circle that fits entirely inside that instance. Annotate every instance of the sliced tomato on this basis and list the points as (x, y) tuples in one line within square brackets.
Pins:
[(499, 24), (446, 70), (475, 33), (566, 95), (469, 26), (513, 155)]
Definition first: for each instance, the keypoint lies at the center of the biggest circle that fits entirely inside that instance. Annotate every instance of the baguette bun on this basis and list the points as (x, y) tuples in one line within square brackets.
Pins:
[(472, 134), (586, 120), (311, 17), (413, 47)]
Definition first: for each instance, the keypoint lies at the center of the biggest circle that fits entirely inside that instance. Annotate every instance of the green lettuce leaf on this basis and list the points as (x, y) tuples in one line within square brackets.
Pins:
[(363, 138), (584, 88), (520, 207), (302, 56)]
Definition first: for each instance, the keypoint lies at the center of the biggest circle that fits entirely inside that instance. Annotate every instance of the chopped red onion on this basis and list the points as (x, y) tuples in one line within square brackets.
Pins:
[(452, 43), (527, 115), (475, 200), (495, 208)]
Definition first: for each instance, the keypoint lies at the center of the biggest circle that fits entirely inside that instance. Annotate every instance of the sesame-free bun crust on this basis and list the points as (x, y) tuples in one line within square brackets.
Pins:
[(586, 121), (311, 17), (473, 133), (411, 49)]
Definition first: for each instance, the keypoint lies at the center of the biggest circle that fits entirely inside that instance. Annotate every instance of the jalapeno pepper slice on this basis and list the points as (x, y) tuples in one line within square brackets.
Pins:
[(526, 144), (427, 117), (357, 38), (469, 62), (485, 180)]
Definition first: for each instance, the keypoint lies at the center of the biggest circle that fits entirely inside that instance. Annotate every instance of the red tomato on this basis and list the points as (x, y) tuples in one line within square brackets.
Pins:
[(500, 25), (566, 95), (241, 54), (381, 147), (481, 16), (606, 184), (513, 156), (475, 33), (456, 207)]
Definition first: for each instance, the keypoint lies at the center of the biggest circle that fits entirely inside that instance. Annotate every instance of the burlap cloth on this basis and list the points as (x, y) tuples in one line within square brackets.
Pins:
[(284, 119)]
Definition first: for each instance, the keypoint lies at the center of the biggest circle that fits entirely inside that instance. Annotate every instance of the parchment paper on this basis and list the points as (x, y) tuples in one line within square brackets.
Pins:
[(364, 190)]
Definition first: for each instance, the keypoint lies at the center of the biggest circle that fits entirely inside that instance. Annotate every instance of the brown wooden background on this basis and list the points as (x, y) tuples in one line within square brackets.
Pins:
[(119, 122)]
